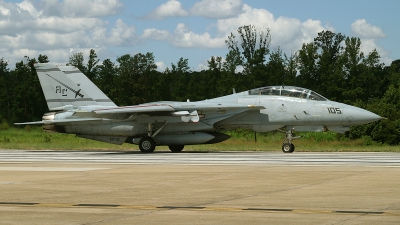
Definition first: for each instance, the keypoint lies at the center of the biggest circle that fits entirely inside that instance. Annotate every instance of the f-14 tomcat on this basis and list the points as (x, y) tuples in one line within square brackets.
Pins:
[(77, 106)]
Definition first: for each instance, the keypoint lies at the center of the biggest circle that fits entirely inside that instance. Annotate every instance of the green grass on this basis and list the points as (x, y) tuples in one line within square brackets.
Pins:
[(33, 138)]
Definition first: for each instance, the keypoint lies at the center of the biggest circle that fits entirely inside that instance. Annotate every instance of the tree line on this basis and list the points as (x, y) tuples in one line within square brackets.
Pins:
[(332, 65)]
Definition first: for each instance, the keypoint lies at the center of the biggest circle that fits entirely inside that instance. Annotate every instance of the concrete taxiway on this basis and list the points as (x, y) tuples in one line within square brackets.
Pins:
[(81, 187)]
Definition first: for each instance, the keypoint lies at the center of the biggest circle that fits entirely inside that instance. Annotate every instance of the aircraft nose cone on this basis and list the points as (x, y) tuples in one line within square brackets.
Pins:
[(358, 116)]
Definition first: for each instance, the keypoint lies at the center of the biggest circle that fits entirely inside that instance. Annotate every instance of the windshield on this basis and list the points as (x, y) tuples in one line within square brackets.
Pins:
[(288, 91)]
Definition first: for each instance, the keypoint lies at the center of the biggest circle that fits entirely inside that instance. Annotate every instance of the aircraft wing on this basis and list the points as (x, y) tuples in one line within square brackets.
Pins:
[(174, 109), (122, 113), (133, 109), (188, 111)]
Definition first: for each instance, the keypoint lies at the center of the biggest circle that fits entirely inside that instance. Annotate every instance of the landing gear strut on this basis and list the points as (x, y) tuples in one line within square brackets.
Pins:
[(147, 144), (287, 146)]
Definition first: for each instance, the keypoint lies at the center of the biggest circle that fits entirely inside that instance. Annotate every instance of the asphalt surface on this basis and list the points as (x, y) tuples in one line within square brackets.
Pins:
[(83, 187)]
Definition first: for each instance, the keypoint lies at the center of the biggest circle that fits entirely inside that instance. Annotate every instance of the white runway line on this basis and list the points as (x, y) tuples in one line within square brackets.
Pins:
[(376, 159), (49, 169)]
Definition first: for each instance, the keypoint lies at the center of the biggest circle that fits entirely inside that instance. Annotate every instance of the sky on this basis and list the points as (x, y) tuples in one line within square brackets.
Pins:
[(192, 29)]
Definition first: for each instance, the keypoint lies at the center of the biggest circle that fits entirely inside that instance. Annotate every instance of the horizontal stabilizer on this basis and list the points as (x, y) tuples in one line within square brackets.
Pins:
[(45, 122), (32, 123)]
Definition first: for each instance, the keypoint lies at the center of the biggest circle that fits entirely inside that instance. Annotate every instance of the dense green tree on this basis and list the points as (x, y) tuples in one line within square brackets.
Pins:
[(25, 94), (91, 68), (254, 47), (43, 59), (330, 65), (107, 78), (76, 60), (5, 103), (134, 78), (179, 77), (212, 77), (275, 69), (290, 69), (307, 65), (353, 57)]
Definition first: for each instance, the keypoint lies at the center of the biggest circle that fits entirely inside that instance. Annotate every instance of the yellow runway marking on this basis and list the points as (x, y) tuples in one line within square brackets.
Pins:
[(199, 208)]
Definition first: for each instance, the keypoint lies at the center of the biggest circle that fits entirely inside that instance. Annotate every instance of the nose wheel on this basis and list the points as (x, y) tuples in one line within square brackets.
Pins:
[(287, 146)]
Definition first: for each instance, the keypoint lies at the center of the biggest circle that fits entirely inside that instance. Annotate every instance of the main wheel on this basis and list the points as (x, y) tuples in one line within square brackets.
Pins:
[(147, 145), (176, 148), (288, 148)]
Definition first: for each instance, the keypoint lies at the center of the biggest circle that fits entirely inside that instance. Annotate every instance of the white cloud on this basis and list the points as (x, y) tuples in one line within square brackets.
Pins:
[(27, 6), (90, 8), (363, 29), (188, 39), (217, 9), (120, 35), (287, 33), (172, 8), (57, 25), (369, 35), (53, 27), (161, 66), (258, 17), (368, 45), (155, 34), (4, 11), (310, 29)]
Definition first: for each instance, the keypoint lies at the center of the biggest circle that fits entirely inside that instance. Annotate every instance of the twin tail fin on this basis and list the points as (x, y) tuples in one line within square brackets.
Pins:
[(66, 86)]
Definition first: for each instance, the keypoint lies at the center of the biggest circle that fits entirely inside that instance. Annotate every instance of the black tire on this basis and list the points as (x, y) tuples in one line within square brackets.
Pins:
[(176, 148), (287, 148), (147, 145)]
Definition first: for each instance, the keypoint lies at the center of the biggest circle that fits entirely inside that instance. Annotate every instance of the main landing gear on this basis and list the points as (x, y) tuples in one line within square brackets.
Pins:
[(176, 148), (148, 144), (287, 146)]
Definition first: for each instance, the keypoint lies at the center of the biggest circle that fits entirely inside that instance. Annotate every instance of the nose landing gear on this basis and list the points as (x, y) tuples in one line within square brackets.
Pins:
[(287, 146)]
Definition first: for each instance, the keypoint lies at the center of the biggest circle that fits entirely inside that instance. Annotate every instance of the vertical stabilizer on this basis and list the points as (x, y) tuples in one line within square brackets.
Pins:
[(67, 86)]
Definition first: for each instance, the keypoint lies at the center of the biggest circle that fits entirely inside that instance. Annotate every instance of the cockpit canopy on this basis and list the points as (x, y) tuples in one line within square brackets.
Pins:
[(289, 91)]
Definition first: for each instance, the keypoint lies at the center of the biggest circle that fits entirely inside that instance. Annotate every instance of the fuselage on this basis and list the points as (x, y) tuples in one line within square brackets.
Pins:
[(293, 107)]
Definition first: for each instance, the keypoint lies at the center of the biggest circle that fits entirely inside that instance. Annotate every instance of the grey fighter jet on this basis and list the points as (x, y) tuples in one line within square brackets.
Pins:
[(79, 107)]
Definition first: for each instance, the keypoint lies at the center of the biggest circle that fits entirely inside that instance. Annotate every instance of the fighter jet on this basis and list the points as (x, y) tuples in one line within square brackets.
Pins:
[(77, 106)]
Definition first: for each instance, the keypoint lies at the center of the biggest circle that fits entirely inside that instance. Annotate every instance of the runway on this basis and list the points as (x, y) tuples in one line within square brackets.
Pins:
[(201, 158), (89, 187)]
